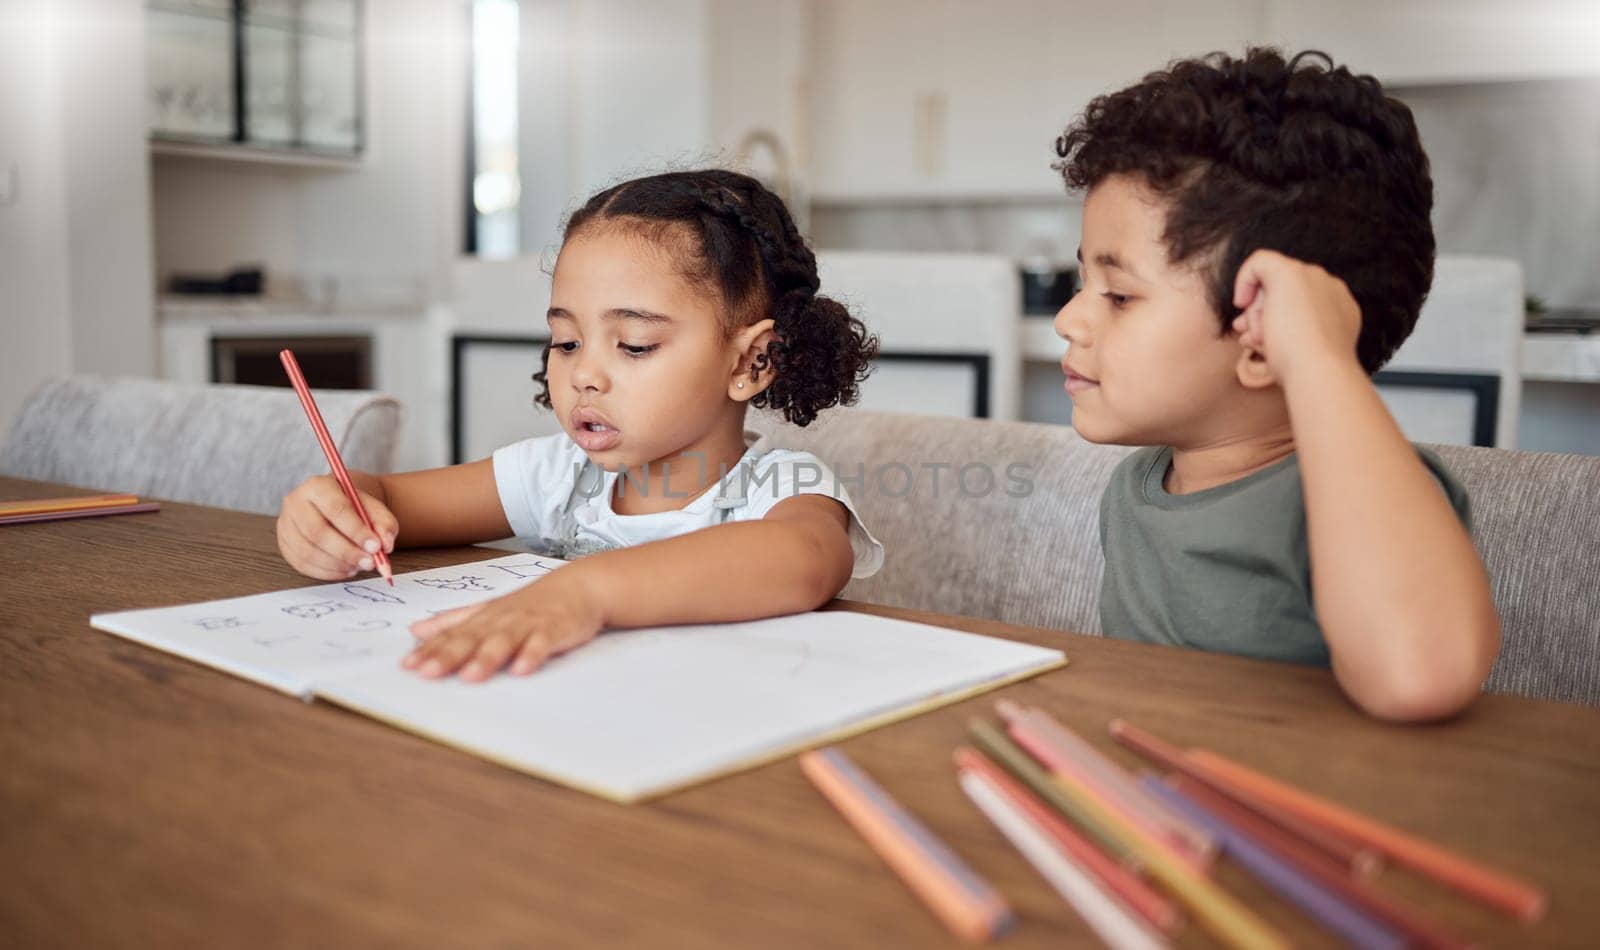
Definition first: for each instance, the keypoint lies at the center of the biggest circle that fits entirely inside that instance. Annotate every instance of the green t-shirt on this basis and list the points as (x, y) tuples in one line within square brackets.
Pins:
[(1227, 569)]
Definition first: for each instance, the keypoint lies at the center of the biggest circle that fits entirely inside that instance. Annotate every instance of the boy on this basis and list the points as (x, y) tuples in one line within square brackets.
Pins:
[(1256, 243)]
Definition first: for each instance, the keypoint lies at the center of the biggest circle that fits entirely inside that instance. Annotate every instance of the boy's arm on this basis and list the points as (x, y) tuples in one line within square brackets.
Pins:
[(794, 559), (1401, 594)]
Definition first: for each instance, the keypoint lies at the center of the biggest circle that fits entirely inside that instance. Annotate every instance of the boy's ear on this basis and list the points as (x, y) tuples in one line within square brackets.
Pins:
[(751, 372), (1251, 368)]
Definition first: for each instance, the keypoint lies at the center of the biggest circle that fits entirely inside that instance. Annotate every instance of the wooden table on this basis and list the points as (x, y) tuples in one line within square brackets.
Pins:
[(148, 801)]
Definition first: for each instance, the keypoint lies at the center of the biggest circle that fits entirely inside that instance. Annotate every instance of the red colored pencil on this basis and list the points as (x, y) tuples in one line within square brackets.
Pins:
[(292, 367), (1486, 885)]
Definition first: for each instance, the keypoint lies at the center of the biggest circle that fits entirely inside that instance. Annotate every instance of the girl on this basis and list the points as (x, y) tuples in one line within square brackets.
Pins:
[(678, 301)]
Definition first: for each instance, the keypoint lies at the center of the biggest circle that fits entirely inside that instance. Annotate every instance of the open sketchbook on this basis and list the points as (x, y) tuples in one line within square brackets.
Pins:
[(629, 716)]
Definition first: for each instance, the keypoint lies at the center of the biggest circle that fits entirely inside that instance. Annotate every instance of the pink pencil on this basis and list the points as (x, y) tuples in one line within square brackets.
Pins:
[(1065, 753), (292, 367)]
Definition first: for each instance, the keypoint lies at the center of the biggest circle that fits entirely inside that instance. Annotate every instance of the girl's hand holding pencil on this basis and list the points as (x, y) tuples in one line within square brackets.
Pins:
[(322, 535)]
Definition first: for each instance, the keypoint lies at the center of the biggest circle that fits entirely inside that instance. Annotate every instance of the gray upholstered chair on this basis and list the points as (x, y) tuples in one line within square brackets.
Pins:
[(239, 447), (1035, 559), (1536, 520)]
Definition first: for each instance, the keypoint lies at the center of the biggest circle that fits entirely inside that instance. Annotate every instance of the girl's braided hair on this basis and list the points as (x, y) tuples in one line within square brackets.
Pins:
[(735, 237)]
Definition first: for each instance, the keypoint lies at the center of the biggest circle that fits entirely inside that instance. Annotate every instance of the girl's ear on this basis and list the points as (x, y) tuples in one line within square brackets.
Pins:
[(751, 372)]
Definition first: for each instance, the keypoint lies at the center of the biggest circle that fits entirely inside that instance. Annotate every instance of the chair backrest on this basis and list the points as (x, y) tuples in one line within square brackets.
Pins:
[(1536, 520), (979, 518), (1033, 556), (241, 447)]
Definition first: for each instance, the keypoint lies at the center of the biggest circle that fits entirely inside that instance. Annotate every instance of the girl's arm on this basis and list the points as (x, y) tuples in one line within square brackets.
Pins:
[(458, 504), (795, 559)]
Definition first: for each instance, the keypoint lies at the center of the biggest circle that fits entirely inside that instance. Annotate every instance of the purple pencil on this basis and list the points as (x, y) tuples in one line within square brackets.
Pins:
[(1332, 911)]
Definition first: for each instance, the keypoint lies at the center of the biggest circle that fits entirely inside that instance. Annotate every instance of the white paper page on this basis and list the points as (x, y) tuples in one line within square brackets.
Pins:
[(637, 713), (292, 639)]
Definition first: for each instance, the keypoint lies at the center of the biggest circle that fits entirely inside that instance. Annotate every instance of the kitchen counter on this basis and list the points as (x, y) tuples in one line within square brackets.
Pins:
[(408, 352), (230, 310), (1546, 357), (1561, 357)]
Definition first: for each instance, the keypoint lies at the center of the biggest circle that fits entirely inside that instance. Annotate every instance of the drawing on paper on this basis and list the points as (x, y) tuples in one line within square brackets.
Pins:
[(321, 608), (464, 582), (219, 623)]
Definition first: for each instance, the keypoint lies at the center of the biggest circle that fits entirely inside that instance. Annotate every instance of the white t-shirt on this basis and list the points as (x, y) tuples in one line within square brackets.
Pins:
[(557, 515)]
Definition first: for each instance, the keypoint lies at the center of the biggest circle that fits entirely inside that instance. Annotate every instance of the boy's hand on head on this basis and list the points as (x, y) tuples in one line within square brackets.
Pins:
[(549, 616), (322, 535), (1294, 313)]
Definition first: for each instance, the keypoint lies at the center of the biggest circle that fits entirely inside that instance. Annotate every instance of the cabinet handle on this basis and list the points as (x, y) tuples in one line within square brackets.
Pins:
[(928, 136)]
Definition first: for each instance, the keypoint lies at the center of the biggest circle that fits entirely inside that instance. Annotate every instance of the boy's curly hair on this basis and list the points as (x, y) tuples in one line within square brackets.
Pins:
[(735, 237), (1300, 157)]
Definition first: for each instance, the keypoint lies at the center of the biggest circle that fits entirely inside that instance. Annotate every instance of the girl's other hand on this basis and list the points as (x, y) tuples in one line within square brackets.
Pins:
[(525, 628), (322, 535)]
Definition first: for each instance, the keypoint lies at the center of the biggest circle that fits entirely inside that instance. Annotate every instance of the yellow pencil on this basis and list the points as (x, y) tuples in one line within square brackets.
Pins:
[(36, 506)]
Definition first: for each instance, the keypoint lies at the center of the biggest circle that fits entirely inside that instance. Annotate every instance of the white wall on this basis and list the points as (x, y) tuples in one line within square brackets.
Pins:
[(609, 89), (33, 241), (75, 249)]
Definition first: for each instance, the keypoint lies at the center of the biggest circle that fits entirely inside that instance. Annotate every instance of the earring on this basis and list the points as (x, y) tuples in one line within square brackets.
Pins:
[(741, 385)]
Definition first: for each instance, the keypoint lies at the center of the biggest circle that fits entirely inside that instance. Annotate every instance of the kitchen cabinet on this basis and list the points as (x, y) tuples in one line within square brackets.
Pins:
[(248, 78), (959, 100), (962, 101), (1431, 42), (877, 78)]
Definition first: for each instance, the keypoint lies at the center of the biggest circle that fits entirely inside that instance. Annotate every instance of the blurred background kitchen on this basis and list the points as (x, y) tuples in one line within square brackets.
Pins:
[(188, 185)]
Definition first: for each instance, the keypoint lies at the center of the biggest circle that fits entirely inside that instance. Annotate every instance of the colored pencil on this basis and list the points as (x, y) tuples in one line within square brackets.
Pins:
[(1321, 904), (39, 506), (1501, 891), (955, 893), (1002, 750), (331, 450), (1064, 752), (1213, 908), (1109, 920), (1361, 860), (82, 513), (1127, 886), (1420, 931)]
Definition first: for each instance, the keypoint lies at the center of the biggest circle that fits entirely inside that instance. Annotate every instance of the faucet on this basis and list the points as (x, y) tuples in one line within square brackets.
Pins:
[(783, 180)]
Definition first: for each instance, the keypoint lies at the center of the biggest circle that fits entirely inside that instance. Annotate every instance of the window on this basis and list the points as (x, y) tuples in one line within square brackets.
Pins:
[(494, 183)]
